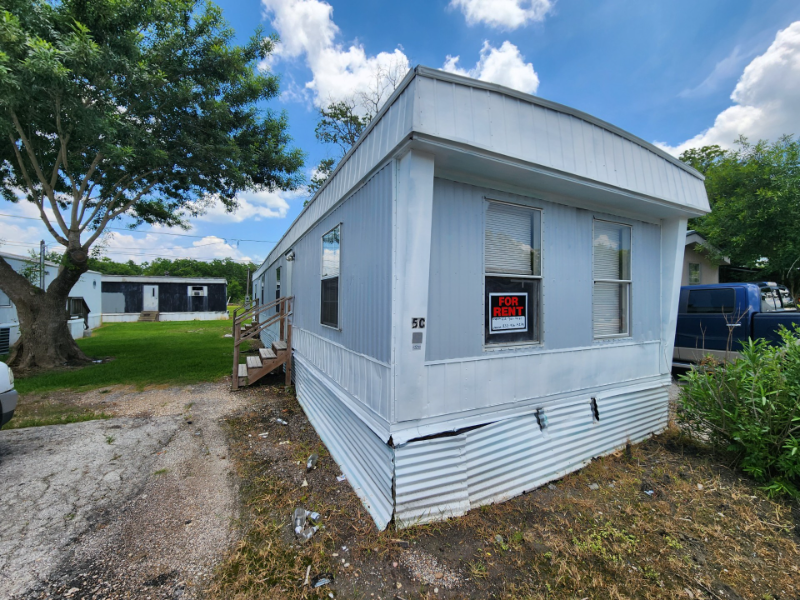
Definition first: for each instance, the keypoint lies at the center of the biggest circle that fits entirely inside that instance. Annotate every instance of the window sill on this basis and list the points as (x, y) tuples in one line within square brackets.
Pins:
[(331, 327)]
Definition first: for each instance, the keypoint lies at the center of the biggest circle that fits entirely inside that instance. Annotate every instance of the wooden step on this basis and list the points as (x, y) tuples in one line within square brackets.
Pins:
[(267, 354), (253, 362), (242, 370), (148, 316), (279, 346)]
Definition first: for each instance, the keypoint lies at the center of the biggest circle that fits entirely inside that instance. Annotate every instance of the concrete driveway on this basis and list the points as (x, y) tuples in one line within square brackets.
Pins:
[(135, 506)]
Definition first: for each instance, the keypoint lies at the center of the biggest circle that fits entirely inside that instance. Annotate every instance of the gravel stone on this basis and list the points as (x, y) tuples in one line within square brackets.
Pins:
[(145, 516), (424, 567)]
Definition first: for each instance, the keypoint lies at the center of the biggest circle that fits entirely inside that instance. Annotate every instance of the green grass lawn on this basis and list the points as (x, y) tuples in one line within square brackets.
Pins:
[(175, 353)]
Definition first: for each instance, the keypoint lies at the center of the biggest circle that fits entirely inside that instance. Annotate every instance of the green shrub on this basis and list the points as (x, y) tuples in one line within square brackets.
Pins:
[(750, 408)]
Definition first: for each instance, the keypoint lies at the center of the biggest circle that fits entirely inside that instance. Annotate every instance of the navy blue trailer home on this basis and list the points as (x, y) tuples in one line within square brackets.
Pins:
[(126, 298), (485, 295)]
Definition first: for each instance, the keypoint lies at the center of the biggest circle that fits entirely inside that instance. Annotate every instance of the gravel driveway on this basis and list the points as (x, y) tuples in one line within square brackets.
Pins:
[(138, 506)]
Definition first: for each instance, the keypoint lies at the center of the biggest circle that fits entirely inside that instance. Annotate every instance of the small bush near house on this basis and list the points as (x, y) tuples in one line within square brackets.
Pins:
[(750, 409)]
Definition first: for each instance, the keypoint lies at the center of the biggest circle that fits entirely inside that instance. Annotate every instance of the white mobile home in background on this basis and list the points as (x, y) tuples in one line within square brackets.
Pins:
[(83, 305), (485, 295)]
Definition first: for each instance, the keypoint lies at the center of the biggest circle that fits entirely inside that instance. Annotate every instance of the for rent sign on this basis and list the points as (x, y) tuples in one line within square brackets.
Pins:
[(508, 312)]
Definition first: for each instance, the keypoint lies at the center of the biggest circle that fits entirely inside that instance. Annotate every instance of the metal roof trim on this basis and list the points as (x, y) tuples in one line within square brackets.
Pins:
[(500, 89), (160, 279)]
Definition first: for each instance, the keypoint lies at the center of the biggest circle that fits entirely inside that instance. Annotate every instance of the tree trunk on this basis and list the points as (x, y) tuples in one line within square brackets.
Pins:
[(45, 341)]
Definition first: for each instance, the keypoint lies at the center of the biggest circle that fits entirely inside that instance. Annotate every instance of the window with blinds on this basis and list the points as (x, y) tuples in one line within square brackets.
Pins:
[(329, 302), (612, 279), (512, 274)]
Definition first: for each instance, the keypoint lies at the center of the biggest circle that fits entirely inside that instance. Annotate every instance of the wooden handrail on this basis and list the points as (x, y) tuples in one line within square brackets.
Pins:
[(285, 311)]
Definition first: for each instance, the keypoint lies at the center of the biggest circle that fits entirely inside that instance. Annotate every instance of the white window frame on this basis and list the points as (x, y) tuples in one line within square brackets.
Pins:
[(4, 303), (338, 276), (628, 282), (539, 315)]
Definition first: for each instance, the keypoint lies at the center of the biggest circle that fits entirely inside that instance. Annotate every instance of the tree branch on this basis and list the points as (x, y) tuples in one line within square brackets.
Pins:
[(47, 189), (39, 204), (112, 214)]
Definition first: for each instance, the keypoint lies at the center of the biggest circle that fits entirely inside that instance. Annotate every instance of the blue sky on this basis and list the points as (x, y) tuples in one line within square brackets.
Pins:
[(678, 73)]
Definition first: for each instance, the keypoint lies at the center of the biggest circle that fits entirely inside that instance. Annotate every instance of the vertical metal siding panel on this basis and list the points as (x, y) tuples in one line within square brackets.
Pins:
[(526, 132), (567, 146), (426, 101), (445, 113), (578, 148), (567, 275), (587, 141), (361, 455), (648, 280), (462, 114), (619, 162), (608, 149), (632, 173), (599, 153), (643, 167), (511, 122), (480, 116), (554, 142), (542, 153), (456, 275), (499, 143)]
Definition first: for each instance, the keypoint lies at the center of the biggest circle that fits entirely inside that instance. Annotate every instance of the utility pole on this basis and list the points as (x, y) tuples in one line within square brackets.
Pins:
[(42, 248), (247, 290)]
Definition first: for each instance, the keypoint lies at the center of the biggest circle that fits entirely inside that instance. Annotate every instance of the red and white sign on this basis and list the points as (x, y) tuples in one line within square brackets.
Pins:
[(508, 312)]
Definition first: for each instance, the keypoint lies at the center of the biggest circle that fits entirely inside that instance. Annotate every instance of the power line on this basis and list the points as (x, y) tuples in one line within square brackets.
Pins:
[(151, 232), (127, 253)]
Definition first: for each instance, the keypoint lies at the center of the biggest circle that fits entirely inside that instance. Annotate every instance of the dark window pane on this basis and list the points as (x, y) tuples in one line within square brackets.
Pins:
[(330, 302), (716, 301), (512, 310)]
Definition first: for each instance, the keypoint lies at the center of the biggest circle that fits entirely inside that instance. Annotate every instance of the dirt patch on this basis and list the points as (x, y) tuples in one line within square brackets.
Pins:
[(665, 520), (162, 535)]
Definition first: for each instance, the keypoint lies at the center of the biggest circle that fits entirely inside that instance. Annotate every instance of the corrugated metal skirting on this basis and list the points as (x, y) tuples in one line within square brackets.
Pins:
[(362, 456), (445, 477)]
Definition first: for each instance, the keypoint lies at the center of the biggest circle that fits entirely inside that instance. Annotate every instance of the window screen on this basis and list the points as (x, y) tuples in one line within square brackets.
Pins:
[(612, 279), (709, 302), (331, 247), (512, 274)]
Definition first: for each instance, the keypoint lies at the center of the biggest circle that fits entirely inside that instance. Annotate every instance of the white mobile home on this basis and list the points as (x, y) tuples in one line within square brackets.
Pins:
[(485, 294), (83, 305)]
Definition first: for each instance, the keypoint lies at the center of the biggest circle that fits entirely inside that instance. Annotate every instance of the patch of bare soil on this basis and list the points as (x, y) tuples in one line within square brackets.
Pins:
[(664, 520), (166, 538)]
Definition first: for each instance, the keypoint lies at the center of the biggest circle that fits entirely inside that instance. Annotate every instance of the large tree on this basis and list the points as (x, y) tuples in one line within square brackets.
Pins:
[(125, 109), (754, 192)]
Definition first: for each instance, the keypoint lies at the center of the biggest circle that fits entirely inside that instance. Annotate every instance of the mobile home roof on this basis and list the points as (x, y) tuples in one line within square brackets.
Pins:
[(439, 108)]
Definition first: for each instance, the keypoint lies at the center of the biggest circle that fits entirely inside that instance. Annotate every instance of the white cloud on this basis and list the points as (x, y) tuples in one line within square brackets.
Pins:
[(306, 29), (767, 98), (253, 206), (725, 69), (120, 247), (504, 65), (503, 14)]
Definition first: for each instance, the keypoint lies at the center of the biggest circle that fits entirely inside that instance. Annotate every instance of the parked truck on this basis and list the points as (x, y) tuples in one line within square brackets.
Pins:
[(715, 319)]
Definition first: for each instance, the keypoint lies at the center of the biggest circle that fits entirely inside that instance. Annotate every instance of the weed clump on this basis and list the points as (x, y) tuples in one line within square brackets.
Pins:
[(749, 408)]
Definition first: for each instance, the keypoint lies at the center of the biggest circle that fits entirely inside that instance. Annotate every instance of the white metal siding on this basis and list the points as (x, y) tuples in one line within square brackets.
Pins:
[(528, 130), (445, 477), (365, 281), (455, 322), (362, 456), (389, 130)]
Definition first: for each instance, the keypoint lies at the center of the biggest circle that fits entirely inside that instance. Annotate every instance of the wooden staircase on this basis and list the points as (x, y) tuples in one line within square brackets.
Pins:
[(268, 359), (148, 316)]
